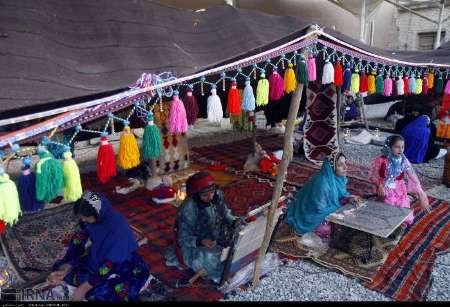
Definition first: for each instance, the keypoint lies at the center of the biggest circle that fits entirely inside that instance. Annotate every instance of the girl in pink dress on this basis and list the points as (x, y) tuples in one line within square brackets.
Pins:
[(394, 177)]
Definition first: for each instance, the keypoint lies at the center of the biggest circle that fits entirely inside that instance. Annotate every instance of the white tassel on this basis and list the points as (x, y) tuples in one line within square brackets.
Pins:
[(328, 73), (400, 86), (214, 107)]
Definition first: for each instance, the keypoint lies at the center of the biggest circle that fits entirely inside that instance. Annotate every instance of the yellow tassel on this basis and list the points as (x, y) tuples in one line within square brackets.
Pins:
[(9, 200), (290, 83), (419, 83), (129, 155), (72, 180), (371, 84), (354, 83), (430, 80)]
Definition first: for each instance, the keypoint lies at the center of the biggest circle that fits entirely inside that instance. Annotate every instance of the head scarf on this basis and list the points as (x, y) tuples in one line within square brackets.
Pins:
[(318, 198), (199, 182), (111, 236), (416, 135)]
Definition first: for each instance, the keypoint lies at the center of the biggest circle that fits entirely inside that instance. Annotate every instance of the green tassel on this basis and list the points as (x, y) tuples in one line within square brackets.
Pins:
[(262, 91), (439, 86), (151, 143), (302, 71), (379, 85), (49, 177)]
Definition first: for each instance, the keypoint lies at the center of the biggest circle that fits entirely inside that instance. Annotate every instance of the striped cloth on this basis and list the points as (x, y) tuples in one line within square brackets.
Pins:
[(406, 273)]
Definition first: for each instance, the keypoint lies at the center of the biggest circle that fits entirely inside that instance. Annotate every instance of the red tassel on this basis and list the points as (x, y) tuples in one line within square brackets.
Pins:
[(106, 161), (191, 106), (338, 74), (234, 100), (405, 82), (2, 227), (363, 83)]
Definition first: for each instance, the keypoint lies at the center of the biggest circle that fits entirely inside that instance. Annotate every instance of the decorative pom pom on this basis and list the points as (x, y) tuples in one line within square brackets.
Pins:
[(262, 91), (328, 73), (72, 180), (248, 98), (234, 100), (338, 74), (106, 161), (290, 82), (302, 71), (312, 75), (214, 107), (191, 107), (177, 118), (129, 155), (276, 86)]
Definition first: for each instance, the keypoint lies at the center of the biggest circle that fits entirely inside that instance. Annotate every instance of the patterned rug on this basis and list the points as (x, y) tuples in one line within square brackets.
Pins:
[(406, 273), (38, 240), (321, 122)]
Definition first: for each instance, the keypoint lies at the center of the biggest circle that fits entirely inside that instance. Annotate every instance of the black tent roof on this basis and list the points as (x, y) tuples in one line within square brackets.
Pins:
[(52, 50), (59, 52)]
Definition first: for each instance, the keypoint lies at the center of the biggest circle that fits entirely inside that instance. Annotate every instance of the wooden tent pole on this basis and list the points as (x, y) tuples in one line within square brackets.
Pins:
[(338, 112), (281, 174)]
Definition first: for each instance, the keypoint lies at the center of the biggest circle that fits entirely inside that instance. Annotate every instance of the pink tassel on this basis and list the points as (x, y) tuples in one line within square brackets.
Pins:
[(387, 86), (447, 88), (312, 76), (425, 86), (177, 119), (276, 86)]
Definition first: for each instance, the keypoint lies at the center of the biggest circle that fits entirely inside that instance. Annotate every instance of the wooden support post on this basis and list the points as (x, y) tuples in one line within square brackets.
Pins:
[(338, 112), (154, 169), (363, 112), (282, 170), (253, 132)]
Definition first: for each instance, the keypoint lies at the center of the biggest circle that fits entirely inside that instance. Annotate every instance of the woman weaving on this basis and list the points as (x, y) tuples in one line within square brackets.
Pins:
[(110, 269), (322, 195)]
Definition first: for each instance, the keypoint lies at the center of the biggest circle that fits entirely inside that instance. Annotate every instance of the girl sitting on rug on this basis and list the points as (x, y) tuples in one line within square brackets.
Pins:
[(110, 269), (389, 172), (322, 195)]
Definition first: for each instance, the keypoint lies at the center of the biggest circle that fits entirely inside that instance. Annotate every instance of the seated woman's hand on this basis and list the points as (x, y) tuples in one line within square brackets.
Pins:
[(427, 208), (380, 192), (355, 199), (56, 277)]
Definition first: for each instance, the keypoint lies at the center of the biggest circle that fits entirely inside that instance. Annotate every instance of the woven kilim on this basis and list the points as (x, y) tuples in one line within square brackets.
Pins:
[(321, 122)]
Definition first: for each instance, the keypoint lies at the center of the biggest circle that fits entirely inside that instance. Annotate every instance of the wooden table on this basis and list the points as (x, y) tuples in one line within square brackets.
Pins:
[(373, 218)]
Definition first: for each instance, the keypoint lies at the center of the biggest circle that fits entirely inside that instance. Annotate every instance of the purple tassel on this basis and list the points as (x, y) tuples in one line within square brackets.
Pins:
[(312, 75), (26, 187), (191, 106), (276, 86), (425, 85), (177, 119), (447, 88)]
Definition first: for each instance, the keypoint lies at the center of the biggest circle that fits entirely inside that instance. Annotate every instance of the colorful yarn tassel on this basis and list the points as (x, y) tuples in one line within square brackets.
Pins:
[(419, 84), (347, 79), (49, 176), (151, 141), (290, 82), (106, 160), (371, 83), (248, 98), (430, 80), (412, 84), (425, 85), (387, 91), (129, 155), (354, 82), (262, 91), (447, 88), (177, 118), (191, 107), (406, 85), (72, 180), (338, 74), (439, 85), (234, 100), (400, 86), (9, 199), (214, 107), (302, 71), (276, 86), (379, 85), (363, 84), (312, 71), (26, 186), (328, 72)]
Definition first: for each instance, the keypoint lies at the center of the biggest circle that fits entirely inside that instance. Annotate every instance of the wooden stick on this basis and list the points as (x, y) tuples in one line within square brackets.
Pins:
[(202, 272), (287, 157), (154, 169), (338, 110)]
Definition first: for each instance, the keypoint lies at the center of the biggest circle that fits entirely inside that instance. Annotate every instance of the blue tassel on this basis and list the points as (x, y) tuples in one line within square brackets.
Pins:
[(347, 79), (248, 98), (27, 193)]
